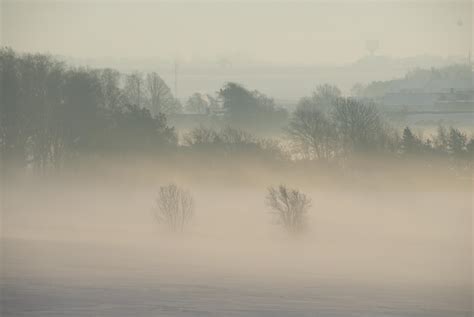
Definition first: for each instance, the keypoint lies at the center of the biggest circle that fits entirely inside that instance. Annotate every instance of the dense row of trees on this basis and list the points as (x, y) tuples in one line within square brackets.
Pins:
[(51, 114), (327, 126), (446, 142)]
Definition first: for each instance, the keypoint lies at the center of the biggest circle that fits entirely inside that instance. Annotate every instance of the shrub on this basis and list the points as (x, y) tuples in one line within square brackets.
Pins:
[(290, 206), (174, 207)]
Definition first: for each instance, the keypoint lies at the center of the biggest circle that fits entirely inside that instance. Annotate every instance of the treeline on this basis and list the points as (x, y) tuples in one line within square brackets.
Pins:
[(52, 114), (329, 126)]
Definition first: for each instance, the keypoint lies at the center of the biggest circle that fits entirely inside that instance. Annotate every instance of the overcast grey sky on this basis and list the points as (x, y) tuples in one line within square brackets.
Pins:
[(276, 32)]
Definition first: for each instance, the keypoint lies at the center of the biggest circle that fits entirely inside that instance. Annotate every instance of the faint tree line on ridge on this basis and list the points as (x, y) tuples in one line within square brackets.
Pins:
[(429, 79)]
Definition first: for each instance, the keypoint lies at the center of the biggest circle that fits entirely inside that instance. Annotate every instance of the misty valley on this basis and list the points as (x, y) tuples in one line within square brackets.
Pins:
[(236, 158)]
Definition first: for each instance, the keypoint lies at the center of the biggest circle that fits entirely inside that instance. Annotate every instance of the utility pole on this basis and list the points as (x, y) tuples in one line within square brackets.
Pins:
[(176, 79)]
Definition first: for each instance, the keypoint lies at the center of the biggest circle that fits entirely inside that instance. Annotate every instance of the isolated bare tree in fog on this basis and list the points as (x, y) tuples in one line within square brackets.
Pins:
[(174, 207), (290, 207)]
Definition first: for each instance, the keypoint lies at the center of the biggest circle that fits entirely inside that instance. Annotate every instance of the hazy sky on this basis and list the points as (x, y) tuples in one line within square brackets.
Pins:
[(275, 32)]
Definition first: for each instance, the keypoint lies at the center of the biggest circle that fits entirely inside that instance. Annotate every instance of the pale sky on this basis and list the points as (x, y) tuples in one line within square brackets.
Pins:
[(284, 32)]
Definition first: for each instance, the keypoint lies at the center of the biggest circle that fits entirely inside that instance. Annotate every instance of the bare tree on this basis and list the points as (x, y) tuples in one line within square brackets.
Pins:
[(290, 207), (160, 97), (359, 125), (312, 134), (174, 207), (325, 96)]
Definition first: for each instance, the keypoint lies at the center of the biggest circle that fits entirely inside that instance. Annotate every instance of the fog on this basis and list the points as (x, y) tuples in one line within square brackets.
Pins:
[(303, 33), (82, 245), (222, 158), (383, 215)]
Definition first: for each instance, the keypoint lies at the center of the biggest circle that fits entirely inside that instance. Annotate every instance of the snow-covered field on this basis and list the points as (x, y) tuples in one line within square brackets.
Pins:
[(97, 252)]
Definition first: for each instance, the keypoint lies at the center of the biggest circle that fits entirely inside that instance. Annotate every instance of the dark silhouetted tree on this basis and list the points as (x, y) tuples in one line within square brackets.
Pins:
[(410, 143), (457, 143), (136, 130), (249, 109), (239, 103)]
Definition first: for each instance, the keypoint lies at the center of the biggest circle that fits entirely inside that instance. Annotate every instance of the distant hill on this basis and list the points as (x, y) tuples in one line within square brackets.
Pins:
[(449, 87), (407, 63), (286, 83), (458, 77)]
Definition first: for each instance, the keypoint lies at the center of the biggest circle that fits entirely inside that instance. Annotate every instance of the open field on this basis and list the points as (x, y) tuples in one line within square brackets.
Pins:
[(76, 250)]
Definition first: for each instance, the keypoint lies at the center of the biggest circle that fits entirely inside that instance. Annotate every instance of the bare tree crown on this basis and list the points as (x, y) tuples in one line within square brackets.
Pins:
[(174, 207), (290, 207)]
